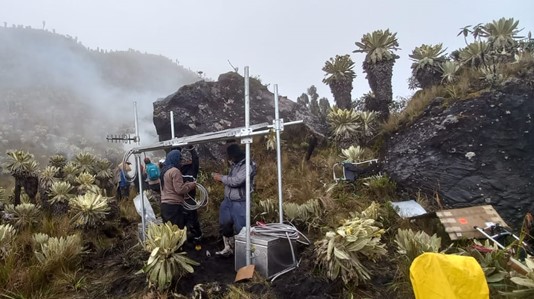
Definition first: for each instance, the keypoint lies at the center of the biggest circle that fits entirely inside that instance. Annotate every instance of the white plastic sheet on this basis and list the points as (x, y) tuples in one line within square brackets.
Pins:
[(149, 212)]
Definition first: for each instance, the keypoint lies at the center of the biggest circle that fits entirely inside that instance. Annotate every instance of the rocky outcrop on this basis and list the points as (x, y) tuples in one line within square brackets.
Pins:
[(214, 106), (478, 151)]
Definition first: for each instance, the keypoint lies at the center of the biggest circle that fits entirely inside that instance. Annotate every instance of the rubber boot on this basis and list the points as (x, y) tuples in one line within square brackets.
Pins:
[(228, 245)]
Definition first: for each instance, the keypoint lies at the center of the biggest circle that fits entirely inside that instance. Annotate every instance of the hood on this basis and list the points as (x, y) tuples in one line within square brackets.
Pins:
[(173, 158)]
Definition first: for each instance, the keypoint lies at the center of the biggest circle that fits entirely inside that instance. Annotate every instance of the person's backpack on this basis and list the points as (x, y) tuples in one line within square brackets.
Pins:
[(152, 171)]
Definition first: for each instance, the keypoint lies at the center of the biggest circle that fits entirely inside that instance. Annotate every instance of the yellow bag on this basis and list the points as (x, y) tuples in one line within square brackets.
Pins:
[(436, 275)]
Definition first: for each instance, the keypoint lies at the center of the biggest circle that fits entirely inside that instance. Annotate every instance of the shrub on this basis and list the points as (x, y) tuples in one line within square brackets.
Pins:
[(380, 187)]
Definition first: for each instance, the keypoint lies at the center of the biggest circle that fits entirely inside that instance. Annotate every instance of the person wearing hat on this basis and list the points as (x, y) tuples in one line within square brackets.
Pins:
[(189, 167), (173, 190), (232, 212)]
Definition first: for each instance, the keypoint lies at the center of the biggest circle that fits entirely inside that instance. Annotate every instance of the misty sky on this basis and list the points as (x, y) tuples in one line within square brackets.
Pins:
[(284, 42)]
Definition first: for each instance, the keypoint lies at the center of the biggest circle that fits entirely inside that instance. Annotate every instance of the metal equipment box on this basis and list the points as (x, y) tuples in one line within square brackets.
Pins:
[(270, 255)]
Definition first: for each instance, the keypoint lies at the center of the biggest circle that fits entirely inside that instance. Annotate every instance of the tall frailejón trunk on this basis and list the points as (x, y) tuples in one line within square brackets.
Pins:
[(342, 93), (379, 75)]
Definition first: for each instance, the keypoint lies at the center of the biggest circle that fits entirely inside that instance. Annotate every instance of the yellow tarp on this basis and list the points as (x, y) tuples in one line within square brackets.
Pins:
[(436, 276)]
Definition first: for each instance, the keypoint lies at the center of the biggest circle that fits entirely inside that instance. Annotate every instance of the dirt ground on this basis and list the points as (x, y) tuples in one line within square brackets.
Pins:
[(298, 283), (112, 274)]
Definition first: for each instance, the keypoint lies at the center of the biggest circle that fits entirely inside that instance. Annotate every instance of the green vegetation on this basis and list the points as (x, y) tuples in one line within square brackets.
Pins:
[(163, 241), (339, 76), (378, 47), (340, 253), (48, 247)]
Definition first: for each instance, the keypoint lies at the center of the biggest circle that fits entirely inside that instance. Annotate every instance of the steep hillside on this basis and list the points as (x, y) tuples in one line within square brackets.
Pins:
[(62, 96)]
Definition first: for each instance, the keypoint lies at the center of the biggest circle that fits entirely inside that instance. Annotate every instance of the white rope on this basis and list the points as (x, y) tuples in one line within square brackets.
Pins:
[(280, 230), (201, 197)]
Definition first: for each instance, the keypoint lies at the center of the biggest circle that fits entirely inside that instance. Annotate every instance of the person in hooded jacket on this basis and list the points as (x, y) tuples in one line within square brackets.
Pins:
[(189, 167), (173, 190), (232, 213)]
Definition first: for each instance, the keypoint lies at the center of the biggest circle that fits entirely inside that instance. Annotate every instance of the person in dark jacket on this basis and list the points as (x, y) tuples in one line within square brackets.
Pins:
[(232, 213), (190, 167), (173, 190)]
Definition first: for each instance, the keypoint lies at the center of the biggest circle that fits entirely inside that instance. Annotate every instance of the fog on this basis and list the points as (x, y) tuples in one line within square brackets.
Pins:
[(59, 96)]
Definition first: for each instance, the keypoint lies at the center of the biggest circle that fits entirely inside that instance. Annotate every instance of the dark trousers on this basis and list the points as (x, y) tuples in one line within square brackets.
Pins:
[(173, 213), (191, 221), (123, 192)]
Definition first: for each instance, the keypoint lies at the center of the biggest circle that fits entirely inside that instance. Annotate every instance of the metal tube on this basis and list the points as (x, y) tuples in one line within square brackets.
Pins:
[(278, 152), (489, 237), (248, 250), (140, 174), (172, 124), (210, 137)]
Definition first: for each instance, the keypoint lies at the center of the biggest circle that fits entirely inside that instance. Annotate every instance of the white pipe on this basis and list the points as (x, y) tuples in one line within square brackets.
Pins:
[(278, 152), (248, 250), (139, 173), (172, 125)]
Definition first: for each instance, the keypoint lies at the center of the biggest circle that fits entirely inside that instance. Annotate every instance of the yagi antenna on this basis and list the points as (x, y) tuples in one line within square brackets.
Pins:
[(121, 138)]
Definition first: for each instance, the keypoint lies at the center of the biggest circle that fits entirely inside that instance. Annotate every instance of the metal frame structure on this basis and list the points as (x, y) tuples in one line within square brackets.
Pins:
[(245, 134)]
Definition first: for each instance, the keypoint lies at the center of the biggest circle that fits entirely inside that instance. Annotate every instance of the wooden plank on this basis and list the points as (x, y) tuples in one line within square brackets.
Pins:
[(460, 223)]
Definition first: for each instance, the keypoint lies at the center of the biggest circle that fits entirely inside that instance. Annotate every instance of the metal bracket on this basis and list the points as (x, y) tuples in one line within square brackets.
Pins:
[(278, 125), (246, 133)]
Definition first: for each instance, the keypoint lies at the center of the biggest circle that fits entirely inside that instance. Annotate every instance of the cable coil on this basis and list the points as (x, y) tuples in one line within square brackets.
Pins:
[(201, 198), (280, 230)]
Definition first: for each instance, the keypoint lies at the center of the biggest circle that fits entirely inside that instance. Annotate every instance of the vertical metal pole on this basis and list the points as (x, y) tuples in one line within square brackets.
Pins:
[(247, 167), (140, 174), (278, 152), (172, 125)]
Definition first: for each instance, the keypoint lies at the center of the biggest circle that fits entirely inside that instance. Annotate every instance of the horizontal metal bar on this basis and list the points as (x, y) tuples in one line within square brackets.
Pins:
[(226, 134)]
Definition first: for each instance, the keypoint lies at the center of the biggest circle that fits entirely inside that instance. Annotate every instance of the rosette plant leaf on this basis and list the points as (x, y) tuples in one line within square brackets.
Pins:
[(70, 172), (378, 65), (23, 167), (7, 237), (24, 215), (165, 262), (303, 213), (89, 210), (85, 162), (449, 71), (58, 161), (60, 195), (344, 124), (339, 76), (341, 252), (56, 253), (355, 154), (85, 182)]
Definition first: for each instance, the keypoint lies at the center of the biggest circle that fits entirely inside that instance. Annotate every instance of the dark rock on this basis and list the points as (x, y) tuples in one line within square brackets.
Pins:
[(205, 107), (478, 151)]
